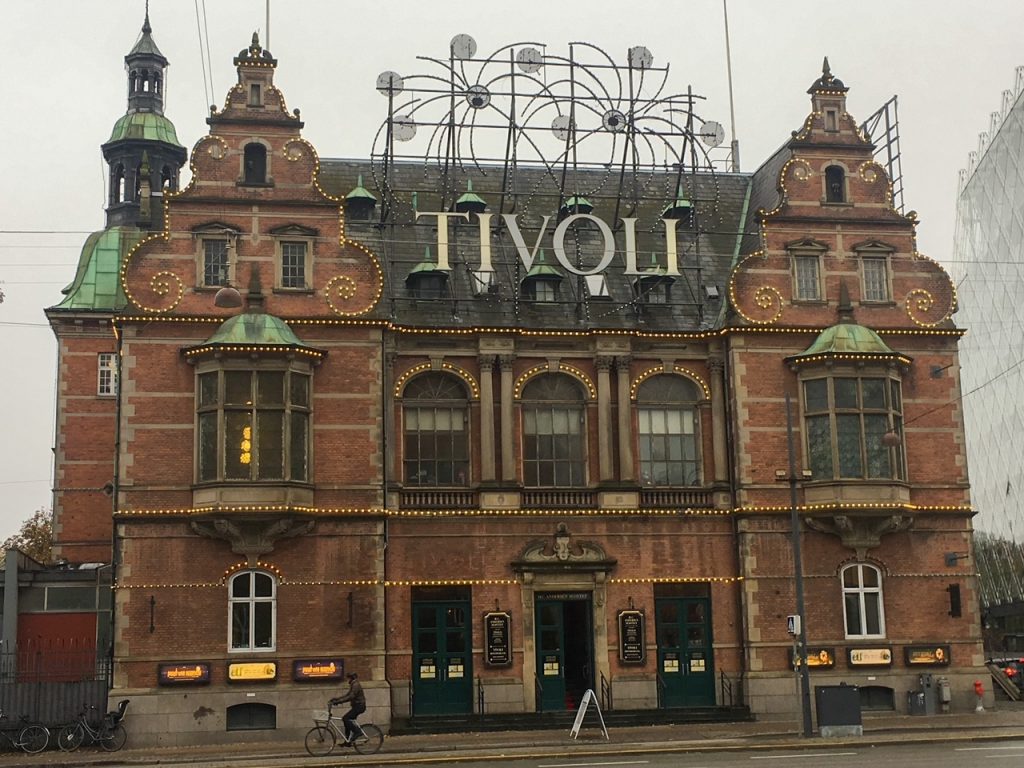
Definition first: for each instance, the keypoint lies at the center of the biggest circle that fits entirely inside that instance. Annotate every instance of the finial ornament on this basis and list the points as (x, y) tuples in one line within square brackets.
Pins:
[(146, 28), (825, 71), (256, 40)]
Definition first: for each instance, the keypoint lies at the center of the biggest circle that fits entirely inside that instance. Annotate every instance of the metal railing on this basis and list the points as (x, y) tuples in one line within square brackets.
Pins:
[(412, 696), (676, 498), (731, 690), (438, 498), (50, 686), (551, 498), (479, 695), (662, 688), (538, 692), (606, 694)]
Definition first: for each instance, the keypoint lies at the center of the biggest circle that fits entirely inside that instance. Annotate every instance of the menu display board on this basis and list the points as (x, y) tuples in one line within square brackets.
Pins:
[(632, 637), (498, 638)]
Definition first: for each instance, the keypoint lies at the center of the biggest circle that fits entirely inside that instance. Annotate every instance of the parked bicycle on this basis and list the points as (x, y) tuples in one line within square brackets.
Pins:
[(329, 731), (106, 731), (26, 736)]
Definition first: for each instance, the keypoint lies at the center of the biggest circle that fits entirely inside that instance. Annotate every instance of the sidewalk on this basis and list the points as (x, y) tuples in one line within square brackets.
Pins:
[(878, 729)]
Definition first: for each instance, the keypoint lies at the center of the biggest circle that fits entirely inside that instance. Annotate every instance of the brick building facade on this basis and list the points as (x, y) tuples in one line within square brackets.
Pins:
[(423, 450)]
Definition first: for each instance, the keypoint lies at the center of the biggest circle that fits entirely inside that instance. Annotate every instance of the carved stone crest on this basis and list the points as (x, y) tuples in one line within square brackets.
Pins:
[(252, 537), (561, 553), (862, 532)]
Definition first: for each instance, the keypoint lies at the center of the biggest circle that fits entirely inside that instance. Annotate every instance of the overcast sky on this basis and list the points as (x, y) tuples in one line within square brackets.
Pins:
[(63, 87)]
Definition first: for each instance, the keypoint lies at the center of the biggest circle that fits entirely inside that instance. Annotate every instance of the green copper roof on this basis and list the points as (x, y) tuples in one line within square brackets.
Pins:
[(360, 192), (541, 269), (253, 329), (469, 196), (145, 125), (577, 202), (427, 265), (96, 285), (849, 339), (678, 204)]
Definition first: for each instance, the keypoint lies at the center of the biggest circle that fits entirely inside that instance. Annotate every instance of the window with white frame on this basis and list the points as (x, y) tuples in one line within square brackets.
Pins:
[(106, 374), (215, 262), (863, 613), (806, 268), (293, 264), (252, 604), (667, 416), (875, 270)]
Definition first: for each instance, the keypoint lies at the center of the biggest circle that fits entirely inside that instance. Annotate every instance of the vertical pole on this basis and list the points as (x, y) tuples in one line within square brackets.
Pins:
[(798, 575), (735, 144), (266, 44)]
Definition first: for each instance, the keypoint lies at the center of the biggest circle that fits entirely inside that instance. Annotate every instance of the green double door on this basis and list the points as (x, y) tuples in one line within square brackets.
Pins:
[(685, 661), (565, 649), (442, 674)]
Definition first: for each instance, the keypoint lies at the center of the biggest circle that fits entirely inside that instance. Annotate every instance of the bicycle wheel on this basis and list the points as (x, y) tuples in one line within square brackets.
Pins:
[(33, 738), (112, 739), (319, 741), (71, 737), (370, 740)]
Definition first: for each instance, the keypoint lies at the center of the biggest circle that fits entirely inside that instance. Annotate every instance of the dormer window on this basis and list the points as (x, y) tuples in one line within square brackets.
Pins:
[(835, 184), (255, 164)]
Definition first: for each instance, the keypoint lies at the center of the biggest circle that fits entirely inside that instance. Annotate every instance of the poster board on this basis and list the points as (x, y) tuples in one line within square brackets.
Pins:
[(588, 699)]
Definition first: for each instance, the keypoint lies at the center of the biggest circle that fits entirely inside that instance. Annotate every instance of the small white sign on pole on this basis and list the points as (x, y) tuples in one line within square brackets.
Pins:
[(588, 698)]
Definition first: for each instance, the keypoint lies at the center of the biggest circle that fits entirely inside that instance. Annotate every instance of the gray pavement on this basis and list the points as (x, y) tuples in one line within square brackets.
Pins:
[(1006, 722)]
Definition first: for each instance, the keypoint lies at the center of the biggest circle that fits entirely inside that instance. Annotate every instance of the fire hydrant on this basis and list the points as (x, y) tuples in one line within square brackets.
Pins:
[(979, 691)]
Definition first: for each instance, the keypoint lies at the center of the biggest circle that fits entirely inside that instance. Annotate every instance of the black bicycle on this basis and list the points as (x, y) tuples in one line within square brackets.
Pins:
[(26, 736), (108, 731)]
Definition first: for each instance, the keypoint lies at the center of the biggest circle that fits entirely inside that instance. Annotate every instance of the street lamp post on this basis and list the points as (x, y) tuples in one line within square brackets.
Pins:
[(798, 575)]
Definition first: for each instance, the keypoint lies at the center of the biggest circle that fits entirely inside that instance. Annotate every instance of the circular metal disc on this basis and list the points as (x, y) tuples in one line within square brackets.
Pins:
[(463, 47), (477, 96), (613, 120), (640, 57), (560, 125), (529, 60), (712, 133), (403, 127), (390, 82)]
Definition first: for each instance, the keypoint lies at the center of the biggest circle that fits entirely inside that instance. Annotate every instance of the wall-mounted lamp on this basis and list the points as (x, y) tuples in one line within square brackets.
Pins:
[(228, 298), (936, 370), (953, 557)]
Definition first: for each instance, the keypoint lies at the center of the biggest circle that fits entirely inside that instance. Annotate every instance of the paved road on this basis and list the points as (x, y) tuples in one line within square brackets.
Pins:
[(846, 755)]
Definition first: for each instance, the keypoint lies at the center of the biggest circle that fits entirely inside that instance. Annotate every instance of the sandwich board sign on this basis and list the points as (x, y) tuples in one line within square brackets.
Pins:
[(588, 699)]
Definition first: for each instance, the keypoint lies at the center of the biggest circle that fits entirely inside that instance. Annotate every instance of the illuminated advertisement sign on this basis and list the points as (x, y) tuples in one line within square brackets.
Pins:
[(318, 669), (258, 670), (926, 655), (183, 674), (869, 657)]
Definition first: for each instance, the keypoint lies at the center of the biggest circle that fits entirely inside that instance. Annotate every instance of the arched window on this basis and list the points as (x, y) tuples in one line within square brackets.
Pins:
[(255, 160), (435, 416), (252, 606), (835, 184), (554, 433), (117, 184), (668, 431), (863, 614), (168, 179), (138, 183)]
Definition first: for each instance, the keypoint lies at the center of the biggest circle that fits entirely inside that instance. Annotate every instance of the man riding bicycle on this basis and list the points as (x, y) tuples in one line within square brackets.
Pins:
[(357, 699)]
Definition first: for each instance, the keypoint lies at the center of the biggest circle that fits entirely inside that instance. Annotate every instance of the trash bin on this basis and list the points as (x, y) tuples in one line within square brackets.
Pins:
[(838, 710), (916, 703)]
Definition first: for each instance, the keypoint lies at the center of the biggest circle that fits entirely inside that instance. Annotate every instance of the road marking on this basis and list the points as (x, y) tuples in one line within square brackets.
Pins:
[(801, 754), (983, 749), (581, 765), (1003, 757)]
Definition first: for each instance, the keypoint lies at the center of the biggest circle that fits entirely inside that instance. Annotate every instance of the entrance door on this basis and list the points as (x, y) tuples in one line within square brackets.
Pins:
[(565, 649), (685, 661), (442, 671)]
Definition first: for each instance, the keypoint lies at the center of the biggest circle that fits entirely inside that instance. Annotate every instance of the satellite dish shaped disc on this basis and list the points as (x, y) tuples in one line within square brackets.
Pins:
[(529, 60), (640, 57), (560, 125), (712, 133), (403, 127), (463, 47), (477, 96), (390, 82)]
